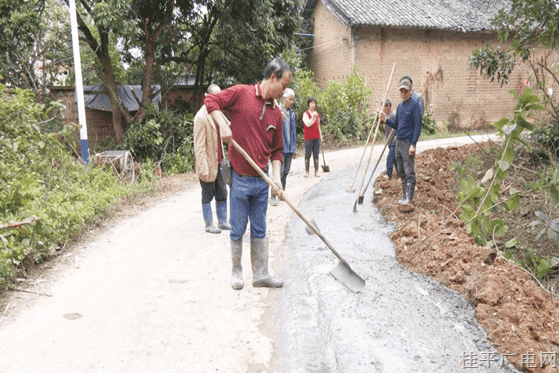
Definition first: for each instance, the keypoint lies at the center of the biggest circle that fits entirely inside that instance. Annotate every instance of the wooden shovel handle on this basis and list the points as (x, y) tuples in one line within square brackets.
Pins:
[(270, 182)]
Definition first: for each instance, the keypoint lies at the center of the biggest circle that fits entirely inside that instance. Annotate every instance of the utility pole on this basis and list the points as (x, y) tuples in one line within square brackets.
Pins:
[(79, 84)]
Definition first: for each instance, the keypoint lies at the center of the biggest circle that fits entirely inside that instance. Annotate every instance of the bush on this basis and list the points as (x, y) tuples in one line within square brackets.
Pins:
[(39, 177), (548, 137), (342, 105), (166, 138), (428, 124)]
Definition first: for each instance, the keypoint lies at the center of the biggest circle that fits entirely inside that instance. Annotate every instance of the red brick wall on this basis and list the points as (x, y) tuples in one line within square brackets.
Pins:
[(437, 61), (331, 54), (100, 123)]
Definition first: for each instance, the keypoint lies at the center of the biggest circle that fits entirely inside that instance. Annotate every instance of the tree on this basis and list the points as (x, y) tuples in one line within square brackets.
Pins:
[(158, 38), (34, 46), (532, 28)]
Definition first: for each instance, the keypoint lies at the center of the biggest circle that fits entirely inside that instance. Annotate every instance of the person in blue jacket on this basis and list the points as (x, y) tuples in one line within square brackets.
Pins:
[(289, 138), (408, 128)]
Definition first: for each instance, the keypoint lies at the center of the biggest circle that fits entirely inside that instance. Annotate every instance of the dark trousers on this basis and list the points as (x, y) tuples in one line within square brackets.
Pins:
[(404, 163), (390, 160), (285, 167), (217, 189), (312, 147)]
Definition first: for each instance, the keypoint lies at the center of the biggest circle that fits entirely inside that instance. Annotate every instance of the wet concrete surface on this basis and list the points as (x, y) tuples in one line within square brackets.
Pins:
[(400, 322)]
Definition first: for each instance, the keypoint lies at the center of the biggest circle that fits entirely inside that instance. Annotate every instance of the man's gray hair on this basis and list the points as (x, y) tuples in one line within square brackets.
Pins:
[(288, 93), (276, 67), (213, 89)]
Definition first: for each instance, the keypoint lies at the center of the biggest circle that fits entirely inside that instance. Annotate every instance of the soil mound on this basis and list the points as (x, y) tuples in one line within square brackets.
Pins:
[(519, 317)]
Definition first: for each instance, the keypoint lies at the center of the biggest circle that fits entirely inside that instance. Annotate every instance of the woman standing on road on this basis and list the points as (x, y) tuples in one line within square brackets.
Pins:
[(311, 119)]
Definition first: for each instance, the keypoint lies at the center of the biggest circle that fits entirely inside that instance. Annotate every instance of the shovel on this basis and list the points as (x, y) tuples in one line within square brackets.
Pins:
[(325, 168), (361, 197), (351, 189), (377, 120), (342, 272)]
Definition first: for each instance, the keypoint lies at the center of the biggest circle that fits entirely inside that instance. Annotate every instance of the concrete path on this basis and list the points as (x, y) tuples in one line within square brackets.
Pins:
[(152, 294)]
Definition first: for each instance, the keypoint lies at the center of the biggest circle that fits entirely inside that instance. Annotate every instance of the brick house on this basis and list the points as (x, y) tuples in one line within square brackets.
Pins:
[(430, 40), (99, 117)]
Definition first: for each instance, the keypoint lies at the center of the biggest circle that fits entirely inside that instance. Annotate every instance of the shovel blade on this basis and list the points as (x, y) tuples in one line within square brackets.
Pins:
[(326, 168), (343, 273), (309, 230), (361, 199)]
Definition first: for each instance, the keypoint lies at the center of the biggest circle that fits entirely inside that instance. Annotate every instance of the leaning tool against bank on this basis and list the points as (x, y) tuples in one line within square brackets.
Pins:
[(256, 125)]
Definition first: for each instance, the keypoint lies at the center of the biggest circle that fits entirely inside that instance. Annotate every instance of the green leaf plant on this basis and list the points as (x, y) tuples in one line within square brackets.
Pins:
[(479, 199)]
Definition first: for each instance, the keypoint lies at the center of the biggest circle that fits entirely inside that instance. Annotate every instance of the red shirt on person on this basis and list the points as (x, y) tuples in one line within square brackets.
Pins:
[(312, 132), (256, 125)]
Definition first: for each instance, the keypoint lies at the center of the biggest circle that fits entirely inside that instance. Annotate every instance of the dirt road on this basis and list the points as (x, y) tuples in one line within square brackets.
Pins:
[(152, 294)]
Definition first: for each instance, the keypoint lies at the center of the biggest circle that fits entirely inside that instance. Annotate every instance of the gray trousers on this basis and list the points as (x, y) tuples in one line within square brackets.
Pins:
[(404, 163)]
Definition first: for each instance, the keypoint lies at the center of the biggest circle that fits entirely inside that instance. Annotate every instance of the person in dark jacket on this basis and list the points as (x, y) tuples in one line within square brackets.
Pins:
[(289, 138), (408, 126)]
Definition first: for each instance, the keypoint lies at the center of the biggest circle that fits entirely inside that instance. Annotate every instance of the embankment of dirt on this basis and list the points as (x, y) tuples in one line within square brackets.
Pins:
[(519, 317)]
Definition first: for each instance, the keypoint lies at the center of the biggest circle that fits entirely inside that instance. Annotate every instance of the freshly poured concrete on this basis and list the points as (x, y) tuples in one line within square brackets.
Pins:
[(401, 321)]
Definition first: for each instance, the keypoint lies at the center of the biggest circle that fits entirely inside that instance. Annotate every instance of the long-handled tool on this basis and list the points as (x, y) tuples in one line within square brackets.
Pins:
[(342, 272), (361, 197), (325, 168), (377, 119), (350, 188)]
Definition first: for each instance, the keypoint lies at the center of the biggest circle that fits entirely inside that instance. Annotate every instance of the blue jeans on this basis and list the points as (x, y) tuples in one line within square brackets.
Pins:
[(248, 199)]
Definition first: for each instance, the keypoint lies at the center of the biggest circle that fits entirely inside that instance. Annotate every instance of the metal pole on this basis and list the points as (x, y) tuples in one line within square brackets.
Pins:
[(79, 83)]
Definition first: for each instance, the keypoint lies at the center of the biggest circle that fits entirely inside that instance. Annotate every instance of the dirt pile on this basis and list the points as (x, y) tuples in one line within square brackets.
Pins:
[(519, 317)]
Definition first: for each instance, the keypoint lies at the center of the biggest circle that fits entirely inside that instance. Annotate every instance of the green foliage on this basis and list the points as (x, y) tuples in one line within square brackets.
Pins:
[(37, 43), (342, 105), (493, 63), (166, 138), (39, 177), (479, 199), (548, 137), (531, 261), (551, 226), (531, 27), (428, 124)]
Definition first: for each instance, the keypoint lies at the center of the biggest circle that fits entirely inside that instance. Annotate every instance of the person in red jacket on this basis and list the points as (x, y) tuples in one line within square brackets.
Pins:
[(257, 126), (311, 119)]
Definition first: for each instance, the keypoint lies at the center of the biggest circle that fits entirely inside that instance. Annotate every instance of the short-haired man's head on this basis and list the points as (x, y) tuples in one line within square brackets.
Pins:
[(405, 84), (388, 103), (311, 99), (288, 93), (213, 89), (406, 77), (276, 67)]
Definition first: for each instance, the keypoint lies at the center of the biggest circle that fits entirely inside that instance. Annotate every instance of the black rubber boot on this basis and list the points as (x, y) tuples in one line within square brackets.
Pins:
[(410, 192), (237, 272), (316, 168), (404, 193), (307, 166), (259, 260)]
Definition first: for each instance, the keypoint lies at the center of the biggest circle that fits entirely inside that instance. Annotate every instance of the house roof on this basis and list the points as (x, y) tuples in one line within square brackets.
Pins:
[(460, 15)]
